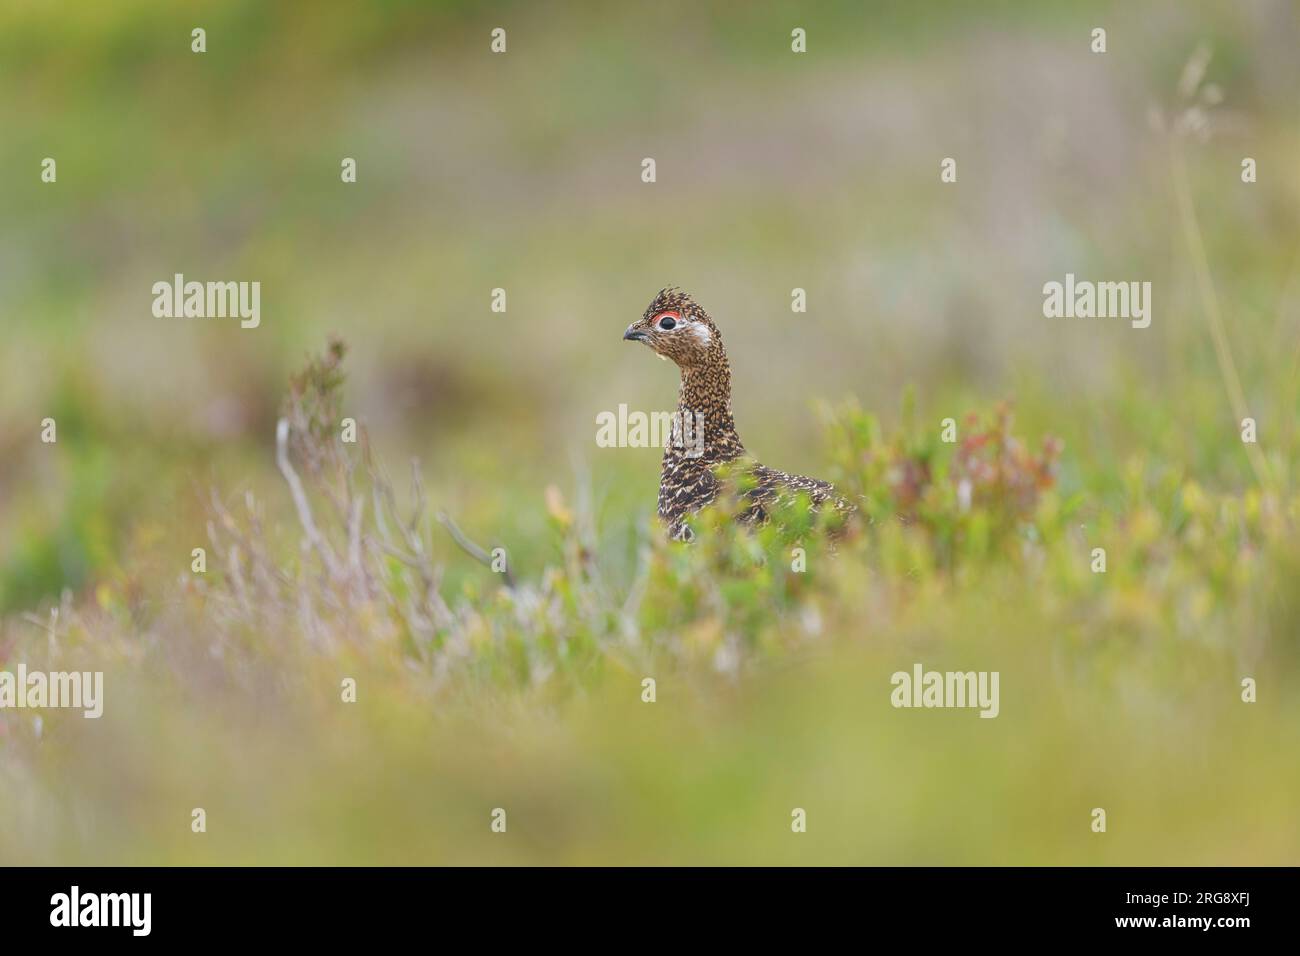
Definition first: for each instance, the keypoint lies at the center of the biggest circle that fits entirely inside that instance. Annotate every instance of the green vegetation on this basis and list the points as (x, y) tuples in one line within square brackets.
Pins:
[(327, 560)]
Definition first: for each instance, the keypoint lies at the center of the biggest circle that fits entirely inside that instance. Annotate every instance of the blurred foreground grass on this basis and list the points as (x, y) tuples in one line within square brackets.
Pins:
[(1119, 690)]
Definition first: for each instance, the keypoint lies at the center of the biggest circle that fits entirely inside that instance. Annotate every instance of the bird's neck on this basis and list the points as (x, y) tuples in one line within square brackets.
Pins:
[(704, 399)]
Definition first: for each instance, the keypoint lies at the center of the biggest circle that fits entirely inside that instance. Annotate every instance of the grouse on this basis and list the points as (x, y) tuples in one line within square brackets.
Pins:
[(704, 433)]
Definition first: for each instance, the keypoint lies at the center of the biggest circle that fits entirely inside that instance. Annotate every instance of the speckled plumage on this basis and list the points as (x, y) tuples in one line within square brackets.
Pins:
[(689, 480)]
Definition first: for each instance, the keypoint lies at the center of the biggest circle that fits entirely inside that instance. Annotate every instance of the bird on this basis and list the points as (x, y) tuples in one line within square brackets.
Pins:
[(704, 435)]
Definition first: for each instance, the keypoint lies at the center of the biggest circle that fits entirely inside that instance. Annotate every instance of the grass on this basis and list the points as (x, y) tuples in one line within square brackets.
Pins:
[(771, 682)]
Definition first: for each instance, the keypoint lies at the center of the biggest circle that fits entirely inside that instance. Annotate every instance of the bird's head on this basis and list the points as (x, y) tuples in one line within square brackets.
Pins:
[(678, 329)]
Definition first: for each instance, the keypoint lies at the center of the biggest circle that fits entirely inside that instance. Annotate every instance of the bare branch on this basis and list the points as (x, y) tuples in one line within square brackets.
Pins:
[(300, 500), (470, 548)]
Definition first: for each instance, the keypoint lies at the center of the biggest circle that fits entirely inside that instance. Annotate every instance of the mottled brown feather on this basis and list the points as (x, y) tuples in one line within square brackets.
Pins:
[(689, 481)]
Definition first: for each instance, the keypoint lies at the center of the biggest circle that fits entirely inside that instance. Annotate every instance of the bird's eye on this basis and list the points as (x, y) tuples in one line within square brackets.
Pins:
[(667, 322)]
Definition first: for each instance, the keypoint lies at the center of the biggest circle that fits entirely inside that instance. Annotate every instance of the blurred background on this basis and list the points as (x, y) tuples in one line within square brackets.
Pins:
[(775, 170)]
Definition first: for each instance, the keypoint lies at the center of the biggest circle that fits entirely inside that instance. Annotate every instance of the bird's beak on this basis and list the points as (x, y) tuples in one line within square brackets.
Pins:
[(634, 334)]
